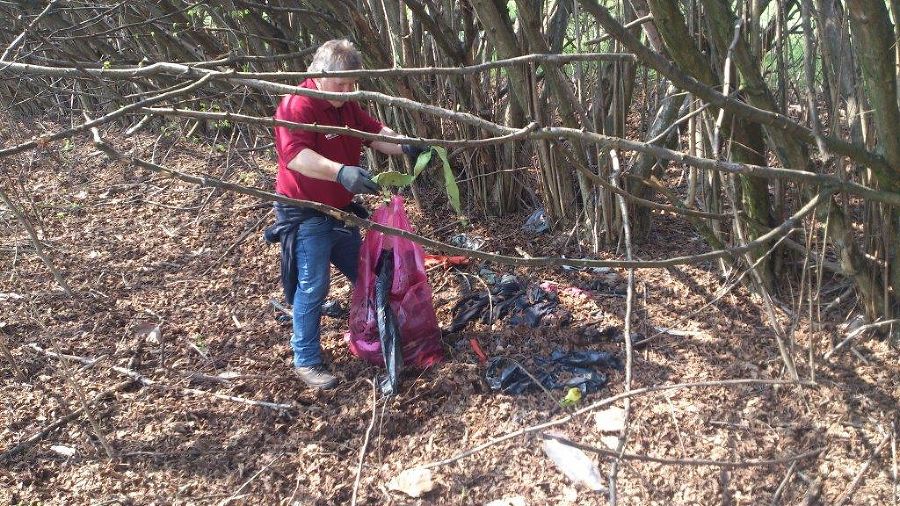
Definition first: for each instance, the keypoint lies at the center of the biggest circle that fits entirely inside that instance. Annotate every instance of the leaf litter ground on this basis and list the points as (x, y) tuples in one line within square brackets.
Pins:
[(140, 251)]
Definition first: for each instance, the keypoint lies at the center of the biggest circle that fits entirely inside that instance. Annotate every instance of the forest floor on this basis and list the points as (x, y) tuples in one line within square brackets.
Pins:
[(142, 251)]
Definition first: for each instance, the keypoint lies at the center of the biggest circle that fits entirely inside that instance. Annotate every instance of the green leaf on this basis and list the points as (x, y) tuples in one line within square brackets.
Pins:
[(512, 9), (422, 161), (573, 396), (449, 180), (399, 179), (394, 178)]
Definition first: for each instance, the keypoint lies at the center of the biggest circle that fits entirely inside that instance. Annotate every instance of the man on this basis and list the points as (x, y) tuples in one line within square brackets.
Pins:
[(324, 168)]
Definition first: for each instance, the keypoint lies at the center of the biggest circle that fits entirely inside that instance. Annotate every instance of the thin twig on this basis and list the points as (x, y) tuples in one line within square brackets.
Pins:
[(895, 491), (500, 138), (235, 494), (36, 242), (4, 348), (237, 243), (546, 391), (809, 68), (281, 307), (811, 497), (365, 445), (781, 486), (858, 332), (629, 302), (82, 399), (21, 36), (106, 118), (717, 296)]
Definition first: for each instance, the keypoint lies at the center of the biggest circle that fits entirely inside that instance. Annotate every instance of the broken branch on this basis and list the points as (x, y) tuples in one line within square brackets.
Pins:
[(143, 380), (59, 422)]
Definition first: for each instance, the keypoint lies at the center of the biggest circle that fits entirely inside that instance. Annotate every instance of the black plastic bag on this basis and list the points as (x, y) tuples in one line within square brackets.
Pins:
[(388, 333)]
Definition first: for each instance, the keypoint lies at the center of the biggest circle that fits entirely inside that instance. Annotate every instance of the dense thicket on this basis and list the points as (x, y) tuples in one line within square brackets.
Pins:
[(637, 91)]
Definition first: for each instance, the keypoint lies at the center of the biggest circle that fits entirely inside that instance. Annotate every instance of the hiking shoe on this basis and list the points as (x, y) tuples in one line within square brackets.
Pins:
[(316, 376)]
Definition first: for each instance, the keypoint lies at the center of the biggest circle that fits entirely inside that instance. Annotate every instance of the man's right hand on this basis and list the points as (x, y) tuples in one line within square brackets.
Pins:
[(357, 180), (413, 151)]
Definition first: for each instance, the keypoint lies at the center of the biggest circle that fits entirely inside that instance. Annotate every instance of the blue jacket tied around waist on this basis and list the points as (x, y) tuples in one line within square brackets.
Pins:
[(288, 220)]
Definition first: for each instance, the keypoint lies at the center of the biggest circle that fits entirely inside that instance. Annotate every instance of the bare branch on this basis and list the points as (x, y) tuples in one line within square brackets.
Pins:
[(429, 71), (605, 402), (554, 133), (103, 119), (688, 83), (731, 464), (858, 332), (209, 181), (143, 380), (36, 242), (549, 133), (50, 5)]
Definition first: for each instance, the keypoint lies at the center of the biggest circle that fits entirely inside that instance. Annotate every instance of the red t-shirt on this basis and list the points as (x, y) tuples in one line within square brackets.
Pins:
[(343, 149)]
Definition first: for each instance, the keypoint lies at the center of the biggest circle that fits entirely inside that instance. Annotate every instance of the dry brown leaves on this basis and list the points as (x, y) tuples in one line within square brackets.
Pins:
[(135, 247)]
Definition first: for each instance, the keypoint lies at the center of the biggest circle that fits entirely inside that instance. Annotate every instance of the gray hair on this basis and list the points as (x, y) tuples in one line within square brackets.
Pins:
[(336, 54)]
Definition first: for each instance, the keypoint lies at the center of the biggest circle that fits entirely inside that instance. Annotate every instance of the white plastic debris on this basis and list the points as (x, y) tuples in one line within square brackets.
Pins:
[(851, 325), (155, 335), (65, 451), (536, 223), (574, 463), (413, 482), (611, 442), (610, 420)]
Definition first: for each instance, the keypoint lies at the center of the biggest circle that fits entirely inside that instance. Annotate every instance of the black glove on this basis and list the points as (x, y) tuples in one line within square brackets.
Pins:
[(413, 151), (357, 180)]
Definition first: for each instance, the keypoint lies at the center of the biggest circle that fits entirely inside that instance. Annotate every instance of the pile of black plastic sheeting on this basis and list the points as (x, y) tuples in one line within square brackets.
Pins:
[(520, 303), (559, 370)]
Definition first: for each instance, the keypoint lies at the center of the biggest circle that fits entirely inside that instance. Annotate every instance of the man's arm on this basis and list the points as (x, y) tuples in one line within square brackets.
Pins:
[(354, 179), (312, 164), (388, 148)]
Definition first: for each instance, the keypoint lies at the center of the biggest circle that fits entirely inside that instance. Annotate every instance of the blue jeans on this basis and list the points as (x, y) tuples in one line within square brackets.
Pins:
[(321, 241)]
